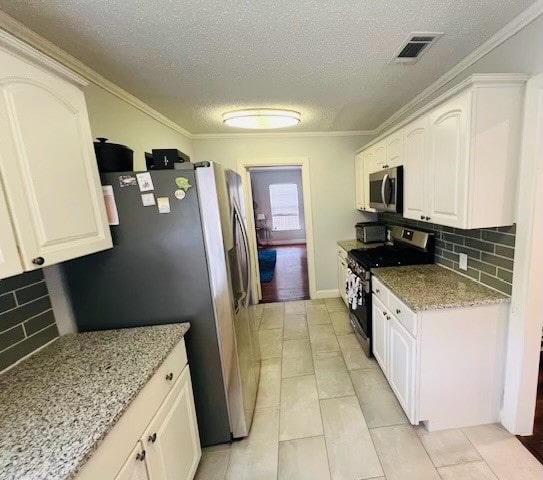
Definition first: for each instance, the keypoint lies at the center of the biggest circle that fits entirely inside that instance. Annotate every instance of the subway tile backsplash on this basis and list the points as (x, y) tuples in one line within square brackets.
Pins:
[(26, 318), (490, 251)]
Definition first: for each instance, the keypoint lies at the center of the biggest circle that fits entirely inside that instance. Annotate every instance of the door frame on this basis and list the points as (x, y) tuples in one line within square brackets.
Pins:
[(526, 317), (243, 166)]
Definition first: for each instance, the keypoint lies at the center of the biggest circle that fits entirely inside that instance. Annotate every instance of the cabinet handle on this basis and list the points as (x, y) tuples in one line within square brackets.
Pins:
[(384, 313), (141, 456), (427, 218), (422, 217), (388, 317), (169, 376), (377, 290), (398, 311), (152, 438), (38, 261)]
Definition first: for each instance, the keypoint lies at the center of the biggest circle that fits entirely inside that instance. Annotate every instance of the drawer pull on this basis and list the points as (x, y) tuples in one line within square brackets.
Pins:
[(141, 456), (385, 313), (388, 317), (169, 376), (152, 438), (377, 290), (398, 311), (38, 261)]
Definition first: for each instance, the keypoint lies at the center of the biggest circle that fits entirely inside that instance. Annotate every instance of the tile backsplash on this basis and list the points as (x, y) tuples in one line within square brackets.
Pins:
[(26, 318), (490, 251)]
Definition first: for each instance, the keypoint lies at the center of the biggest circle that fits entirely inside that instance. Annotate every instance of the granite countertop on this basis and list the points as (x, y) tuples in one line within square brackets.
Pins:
[(58, 405), (432, 287), (348, 245)]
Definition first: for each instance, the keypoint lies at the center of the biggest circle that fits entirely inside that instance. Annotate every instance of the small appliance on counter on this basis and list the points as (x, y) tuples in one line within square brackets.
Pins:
[(113, 157), (371, 232)]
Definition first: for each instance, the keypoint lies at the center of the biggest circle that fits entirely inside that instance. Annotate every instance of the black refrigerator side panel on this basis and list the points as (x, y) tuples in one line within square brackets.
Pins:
[(155, 274)]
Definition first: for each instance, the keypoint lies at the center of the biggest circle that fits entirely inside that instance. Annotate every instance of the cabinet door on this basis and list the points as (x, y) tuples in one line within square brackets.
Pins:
[(359, 179), (394, 149), (415, 151), (10, 262), (401, 366), (379, 155), (341, 278), (380, 333), (134, 468), (448, 162), (171, 440), (367, 159), (48, 165)]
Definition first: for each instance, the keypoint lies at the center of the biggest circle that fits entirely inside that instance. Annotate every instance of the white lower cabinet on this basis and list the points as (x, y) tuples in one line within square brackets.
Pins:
[(157, 436), (171, 441), (342, 274), (134, 468), (444, 366)]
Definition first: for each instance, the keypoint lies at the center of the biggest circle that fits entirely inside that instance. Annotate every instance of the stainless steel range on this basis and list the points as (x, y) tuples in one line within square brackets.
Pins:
[(409, 247)]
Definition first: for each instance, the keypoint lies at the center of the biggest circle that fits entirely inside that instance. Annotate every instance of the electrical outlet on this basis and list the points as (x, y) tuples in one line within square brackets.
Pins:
[(463, 261)]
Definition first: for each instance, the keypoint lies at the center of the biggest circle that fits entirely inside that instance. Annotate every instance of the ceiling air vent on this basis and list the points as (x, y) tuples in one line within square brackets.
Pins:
[(416, 44)]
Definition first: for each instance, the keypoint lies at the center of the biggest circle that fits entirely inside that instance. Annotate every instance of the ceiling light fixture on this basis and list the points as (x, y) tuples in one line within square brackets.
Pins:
[(259, 118)]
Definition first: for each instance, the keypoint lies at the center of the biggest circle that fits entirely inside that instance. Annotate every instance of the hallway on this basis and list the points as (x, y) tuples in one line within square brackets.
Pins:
[(325, 411), (290, 279)]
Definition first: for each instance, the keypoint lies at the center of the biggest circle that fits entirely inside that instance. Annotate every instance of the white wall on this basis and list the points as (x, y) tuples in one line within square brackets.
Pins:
[(120, 122), (331, 164), (261, 179)]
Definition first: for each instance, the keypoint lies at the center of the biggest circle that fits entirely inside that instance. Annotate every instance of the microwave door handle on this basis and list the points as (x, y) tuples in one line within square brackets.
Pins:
[(383, 186)]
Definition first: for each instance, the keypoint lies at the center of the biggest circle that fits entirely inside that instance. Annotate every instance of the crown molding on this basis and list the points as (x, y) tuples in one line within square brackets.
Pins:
[(357, 133), (82, 71), (475, 80), (514, 26)]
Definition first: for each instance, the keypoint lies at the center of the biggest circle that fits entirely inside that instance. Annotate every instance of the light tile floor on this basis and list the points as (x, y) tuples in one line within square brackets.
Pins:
[(325, 411)]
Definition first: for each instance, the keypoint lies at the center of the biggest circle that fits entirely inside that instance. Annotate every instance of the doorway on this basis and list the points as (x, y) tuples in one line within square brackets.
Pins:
[(280, 232)]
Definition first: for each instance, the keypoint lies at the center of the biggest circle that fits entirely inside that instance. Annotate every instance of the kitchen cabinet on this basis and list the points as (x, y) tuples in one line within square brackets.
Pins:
[(157, 436), (415, 149), (10, 263), (342, 273), (380, 333), (359, 179), (134, 468), (450, 377), (459, 154), (172, 442), (52, 192), (394, 149), (367, 160)]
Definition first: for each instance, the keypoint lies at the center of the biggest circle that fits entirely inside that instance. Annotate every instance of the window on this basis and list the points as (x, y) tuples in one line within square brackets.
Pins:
[(284, 206)]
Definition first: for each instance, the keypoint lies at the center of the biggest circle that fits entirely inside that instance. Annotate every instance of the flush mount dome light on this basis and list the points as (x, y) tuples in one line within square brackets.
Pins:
[(258, 118)]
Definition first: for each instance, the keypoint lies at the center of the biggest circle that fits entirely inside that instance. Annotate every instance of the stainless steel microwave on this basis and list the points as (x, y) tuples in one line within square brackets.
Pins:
[(386, 190)]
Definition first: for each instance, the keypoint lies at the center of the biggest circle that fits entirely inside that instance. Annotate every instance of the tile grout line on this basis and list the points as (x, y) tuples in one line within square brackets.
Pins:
[(480, 454)]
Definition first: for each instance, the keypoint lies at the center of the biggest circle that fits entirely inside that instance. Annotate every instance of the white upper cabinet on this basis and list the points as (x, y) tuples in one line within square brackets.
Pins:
[(415, 154), (394, 149), (447, 167), (359, 181), (10, 262), (48, 167), (460, 154)]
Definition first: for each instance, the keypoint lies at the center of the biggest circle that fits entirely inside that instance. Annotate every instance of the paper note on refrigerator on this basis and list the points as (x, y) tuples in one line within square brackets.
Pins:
[(163, 204), (145, 181), (111, 205)]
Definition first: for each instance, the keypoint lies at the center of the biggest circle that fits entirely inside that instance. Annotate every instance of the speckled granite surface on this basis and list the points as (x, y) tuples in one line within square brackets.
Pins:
[(354, 244), (60, 403), (431, 287)]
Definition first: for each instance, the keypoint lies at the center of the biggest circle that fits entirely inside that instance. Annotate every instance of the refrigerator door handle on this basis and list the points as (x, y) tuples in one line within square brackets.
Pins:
[(247, 296)]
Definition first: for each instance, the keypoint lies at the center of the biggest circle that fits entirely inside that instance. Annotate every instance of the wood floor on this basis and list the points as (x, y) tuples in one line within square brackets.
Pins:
[(534, 443), (290, 281)]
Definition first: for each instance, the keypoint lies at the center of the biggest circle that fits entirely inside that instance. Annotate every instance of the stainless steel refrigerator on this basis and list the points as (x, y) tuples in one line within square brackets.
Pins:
[(189, 265)]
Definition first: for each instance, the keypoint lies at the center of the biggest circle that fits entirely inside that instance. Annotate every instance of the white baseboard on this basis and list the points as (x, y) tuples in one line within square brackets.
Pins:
[(278, 243), (325, 294)]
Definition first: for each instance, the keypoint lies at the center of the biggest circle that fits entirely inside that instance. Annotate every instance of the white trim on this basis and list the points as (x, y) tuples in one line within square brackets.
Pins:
[(243, 165), (279, 243), (477, 80), (326, 294), (526, 319), (512, 28), (347, 133), (49, 49)]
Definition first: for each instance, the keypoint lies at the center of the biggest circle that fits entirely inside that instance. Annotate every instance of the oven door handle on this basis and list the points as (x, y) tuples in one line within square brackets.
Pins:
[(383, 185)]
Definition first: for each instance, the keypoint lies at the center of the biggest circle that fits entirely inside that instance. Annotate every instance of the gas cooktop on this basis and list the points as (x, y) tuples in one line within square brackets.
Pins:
[(410, 247)]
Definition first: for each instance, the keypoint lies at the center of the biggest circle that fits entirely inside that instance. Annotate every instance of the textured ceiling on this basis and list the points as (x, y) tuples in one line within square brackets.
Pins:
[(193, 60)]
